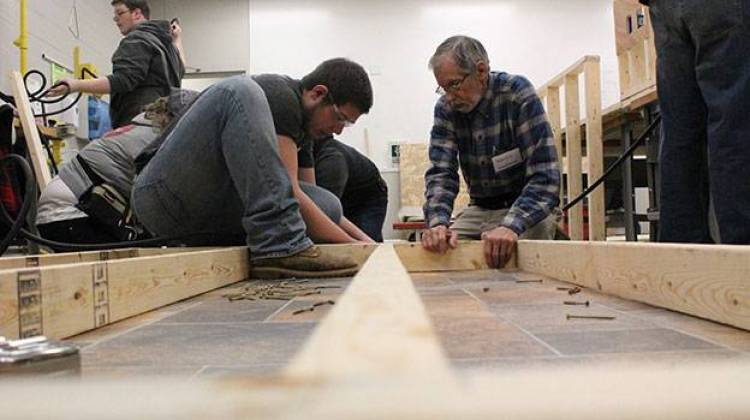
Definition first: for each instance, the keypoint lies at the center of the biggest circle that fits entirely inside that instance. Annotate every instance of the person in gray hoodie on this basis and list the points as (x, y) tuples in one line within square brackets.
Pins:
[(148, 62)]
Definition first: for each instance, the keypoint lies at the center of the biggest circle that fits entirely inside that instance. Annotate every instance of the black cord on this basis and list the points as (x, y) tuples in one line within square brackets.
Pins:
[(616, 163), (16, 226), (39, 94)]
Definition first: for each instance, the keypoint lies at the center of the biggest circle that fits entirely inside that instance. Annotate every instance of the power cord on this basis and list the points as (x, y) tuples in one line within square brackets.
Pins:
[(616, 163)]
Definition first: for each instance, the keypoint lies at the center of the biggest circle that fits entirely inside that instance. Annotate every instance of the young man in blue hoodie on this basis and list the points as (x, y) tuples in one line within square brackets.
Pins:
[(148, 61)]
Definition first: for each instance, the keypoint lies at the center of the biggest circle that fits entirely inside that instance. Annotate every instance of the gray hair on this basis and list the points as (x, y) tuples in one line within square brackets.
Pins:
[(465, 51)]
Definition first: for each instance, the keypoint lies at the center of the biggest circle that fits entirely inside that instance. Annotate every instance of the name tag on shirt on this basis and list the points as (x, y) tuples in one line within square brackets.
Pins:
[(507, 160)]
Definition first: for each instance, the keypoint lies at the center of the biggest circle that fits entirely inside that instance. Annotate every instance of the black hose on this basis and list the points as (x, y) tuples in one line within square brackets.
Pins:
[(39, 94), (616, 163), (16, 226)]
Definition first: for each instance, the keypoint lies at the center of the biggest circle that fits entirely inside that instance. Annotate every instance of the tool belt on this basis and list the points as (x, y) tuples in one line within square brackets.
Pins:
[(105, 205)]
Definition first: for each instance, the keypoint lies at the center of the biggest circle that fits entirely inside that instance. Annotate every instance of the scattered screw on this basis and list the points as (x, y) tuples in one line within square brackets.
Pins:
[(529, 281), (570, 302), (326, 302), (574, 290), (564, 288), (607, 317), (486, 289), (303, 310)]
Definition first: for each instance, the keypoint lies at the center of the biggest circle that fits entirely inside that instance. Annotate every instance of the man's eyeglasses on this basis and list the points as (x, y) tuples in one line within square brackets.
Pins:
[(122, 12), (343, 119), (452, 87)]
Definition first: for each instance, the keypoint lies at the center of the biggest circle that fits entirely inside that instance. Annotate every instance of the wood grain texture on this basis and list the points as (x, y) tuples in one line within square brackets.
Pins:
[(708, 281), (590, 392), (594, 148), (469, 255), (413, 163), (79, 297), (574, 154), (378, 327), (33, 142)]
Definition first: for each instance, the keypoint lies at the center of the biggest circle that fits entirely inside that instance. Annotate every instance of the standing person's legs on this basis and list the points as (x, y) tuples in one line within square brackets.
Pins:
[(683, 196), (220, 171), (721, 32)]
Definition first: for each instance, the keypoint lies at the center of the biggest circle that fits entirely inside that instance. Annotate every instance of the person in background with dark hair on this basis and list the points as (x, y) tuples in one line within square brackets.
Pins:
[(356, 181), (148, 62), (229, 168), (703, 79), (325, 101)]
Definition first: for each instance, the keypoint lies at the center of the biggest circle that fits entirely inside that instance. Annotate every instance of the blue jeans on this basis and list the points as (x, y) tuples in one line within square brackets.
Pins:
[(703, 80), (219, 171)]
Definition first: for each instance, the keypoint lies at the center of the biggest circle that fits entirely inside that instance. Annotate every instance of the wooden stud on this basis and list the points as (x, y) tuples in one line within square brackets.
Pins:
[(30, 133), (573, 145), (554, 115), (594, 149)]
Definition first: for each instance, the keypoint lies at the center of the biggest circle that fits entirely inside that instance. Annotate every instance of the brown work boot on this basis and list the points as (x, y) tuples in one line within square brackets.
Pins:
[(314, 262)]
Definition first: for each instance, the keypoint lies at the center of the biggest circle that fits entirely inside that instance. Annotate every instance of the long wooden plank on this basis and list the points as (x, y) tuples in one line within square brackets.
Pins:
[(378, 327), (587, 392), (573, 144), (33, 142), (594, 148), (708, 281), (469, 255), (554, 114), (63, 300)]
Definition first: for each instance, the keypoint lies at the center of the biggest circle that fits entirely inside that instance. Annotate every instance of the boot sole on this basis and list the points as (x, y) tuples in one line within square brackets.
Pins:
[(281, 273)]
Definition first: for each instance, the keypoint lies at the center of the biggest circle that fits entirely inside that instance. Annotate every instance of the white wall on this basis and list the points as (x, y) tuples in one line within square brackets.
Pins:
[(215, 33), (47, 22), (394, 40)]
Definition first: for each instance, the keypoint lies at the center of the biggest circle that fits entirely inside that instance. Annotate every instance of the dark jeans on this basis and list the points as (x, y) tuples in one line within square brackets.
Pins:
[(367, 210), (703, 77), (220, 171)]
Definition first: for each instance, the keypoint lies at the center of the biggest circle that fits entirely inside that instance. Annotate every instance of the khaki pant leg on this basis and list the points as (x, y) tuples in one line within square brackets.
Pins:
[(469, 222), (543, 230)]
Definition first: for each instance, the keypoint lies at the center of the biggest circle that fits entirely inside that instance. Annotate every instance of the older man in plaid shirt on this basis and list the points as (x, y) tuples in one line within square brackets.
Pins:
[(494, 125)]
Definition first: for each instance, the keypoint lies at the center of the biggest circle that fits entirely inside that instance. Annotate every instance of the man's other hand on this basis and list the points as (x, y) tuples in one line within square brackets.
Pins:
[(499, 245), (61, 88), (439, 239)]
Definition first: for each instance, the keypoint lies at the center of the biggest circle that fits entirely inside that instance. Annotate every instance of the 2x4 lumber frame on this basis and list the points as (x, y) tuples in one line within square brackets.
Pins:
[(30, 133), (93, 289), (707, 281), (60, 301), (574, 164), (378, 327)]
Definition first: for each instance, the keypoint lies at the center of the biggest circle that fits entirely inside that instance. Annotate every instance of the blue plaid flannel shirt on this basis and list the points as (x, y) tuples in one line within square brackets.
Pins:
[(510, 116)]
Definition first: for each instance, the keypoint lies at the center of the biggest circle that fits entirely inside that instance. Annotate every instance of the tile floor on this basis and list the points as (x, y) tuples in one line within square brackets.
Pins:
[(484, 319)]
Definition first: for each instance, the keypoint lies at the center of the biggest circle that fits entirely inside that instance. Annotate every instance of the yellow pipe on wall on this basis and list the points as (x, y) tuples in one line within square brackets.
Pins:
[(23, 40)]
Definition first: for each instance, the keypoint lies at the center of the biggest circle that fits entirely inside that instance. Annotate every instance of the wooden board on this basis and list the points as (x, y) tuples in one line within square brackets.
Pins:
[(43, 260), (574, 154), (76, 292), (413, 163), (63, 300), (469, 255), (636, 54), (708, 281), (594, 148), (33, 142), (379, 327)]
